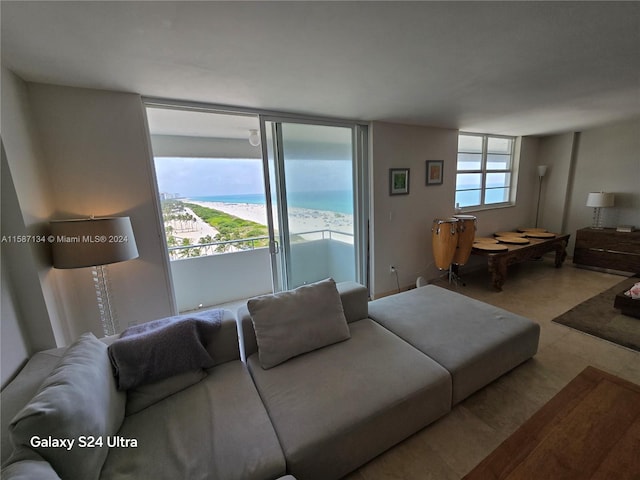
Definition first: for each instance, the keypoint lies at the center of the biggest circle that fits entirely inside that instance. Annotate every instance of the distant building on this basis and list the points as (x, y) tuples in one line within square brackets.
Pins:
[(169, 196)]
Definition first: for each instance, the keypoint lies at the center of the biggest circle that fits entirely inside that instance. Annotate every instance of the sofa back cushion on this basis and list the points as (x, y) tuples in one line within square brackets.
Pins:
[(78, 399), (354, 298), (21, 389), (291, 323)]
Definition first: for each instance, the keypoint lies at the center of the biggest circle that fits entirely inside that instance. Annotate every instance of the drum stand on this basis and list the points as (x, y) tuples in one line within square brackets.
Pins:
[(454, 277)]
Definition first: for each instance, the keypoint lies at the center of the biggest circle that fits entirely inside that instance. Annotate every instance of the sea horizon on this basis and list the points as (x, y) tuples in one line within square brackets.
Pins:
[(333, 201)]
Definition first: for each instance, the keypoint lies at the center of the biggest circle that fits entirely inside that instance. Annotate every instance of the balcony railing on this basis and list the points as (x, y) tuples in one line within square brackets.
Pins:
[(213, 278), (230, 246)]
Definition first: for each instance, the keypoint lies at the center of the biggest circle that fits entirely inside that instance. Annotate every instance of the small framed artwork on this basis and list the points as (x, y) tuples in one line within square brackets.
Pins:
[(434, 172), (398, 181)]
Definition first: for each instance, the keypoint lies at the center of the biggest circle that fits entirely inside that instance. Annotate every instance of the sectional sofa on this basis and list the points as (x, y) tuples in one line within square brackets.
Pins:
[(311, 383)]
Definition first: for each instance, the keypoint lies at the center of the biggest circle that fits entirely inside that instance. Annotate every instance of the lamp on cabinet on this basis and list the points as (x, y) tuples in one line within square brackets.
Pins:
[(599, 200)]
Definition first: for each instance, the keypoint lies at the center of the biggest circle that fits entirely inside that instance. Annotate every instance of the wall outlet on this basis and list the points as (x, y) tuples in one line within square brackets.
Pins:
[(392, 269)]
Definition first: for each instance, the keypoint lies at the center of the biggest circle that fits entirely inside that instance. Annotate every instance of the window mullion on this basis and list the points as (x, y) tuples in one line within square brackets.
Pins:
[(484, 169)]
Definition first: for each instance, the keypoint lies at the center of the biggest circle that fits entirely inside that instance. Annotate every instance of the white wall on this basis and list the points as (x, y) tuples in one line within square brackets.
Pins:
[(556, 152), (600, 159), (26, 209), (99, 163), (607, 159), (401, 225), (15, 350)]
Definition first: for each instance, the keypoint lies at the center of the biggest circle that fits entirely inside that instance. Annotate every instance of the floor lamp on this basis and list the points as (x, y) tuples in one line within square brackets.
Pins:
[(94, 242), (542, 170)]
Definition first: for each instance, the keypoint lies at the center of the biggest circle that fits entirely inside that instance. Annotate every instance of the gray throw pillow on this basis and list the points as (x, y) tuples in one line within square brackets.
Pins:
[(291, 323), (78, 399)]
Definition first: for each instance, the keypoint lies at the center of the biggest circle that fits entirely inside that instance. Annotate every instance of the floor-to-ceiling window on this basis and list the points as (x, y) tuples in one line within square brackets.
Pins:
[(312, 179), (252, 204)]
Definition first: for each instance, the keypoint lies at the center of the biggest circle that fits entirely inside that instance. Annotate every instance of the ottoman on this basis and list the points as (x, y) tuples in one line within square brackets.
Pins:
[(476, 342)]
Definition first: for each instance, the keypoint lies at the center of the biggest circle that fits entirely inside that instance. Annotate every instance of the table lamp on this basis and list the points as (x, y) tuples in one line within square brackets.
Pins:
[(94, 242), (599, 200)]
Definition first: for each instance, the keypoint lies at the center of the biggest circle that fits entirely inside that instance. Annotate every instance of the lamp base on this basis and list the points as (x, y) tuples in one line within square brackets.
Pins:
[(110, 325), (597, 219)]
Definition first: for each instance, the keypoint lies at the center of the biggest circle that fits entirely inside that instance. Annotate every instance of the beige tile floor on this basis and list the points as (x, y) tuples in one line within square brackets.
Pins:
[(452, 446)]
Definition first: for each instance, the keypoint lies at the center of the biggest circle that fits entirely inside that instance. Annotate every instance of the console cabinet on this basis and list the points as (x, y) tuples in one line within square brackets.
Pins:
[(606, 248)]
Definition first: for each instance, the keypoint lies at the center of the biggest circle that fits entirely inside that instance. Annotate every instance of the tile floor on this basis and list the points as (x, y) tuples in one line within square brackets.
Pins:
[(452, 446)]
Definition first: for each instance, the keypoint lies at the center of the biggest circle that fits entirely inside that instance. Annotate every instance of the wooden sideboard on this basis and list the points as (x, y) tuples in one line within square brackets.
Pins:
[(606, 248)]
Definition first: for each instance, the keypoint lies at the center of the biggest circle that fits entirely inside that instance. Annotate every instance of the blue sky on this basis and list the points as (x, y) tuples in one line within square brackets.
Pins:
[(196, 177), (193, 177)]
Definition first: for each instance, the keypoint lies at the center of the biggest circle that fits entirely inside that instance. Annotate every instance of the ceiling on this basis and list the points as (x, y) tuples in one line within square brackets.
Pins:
[(518, 68), (189, 123)]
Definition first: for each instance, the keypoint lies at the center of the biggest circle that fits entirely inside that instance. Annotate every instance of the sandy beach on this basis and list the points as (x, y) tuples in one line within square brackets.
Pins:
[(194, 232), (301, 220)]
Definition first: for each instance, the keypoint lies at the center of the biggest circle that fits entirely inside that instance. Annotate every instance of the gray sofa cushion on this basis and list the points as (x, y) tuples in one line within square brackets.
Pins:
[(217, 428), (476, 342), (79, 398), (22, 389), (146, 395), (223, 346), (337, 407), (30, 470), (355, 298), (291, 323)]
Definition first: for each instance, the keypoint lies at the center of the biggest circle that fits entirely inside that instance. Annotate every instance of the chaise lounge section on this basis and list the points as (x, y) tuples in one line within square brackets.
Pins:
[(337, 407), (408, 360), (474, 341)]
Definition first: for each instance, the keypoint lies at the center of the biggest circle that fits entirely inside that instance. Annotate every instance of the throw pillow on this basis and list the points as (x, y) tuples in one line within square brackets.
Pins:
[(291, 323), (78, 399), (146, 395)]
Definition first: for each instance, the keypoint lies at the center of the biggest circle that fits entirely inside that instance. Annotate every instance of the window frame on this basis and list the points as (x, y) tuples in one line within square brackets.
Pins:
[(484, 171)]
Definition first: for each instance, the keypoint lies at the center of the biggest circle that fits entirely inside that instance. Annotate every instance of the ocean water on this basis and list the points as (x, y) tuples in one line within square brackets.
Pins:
[(340, 201)]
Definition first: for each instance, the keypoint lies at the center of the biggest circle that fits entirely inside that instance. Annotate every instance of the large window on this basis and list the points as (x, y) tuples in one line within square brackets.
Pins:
[(485, 170)]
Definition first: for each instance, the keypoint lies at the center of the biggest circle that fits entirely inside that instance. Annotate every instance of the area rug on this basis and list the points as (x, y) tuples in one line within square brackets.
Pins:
[(597, 317), (588, 431)]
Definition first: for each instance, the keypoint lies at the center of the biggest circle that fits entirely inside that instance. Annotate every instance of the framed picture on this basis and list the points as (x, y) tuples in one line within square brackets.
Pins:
[(398, 181), (434, 172)]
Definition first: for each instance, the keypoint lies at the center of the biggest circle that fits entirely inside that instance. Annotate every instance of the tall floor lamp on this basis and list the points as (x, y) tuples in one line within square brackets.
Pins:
[(542, 170), (94, 242)]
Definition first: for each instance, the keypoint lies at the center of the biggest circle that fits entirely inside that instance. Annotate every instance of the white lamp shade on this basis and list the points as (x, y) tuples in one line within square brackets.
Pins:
[(600, 199), (542, 170), (90, 242)]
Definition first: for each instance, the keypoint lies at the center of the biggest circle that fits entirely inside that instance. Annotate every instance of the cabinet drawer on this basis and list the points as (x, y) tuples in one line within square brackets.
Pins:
[(627, 262)]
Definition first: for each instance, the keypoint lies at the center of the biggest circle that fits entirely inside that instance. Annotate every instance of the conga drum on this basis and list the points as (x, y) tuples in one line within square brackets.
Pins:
[(466, 234), (444, 237)]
